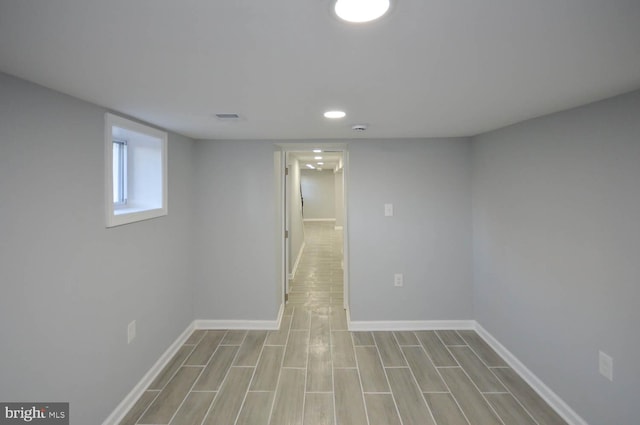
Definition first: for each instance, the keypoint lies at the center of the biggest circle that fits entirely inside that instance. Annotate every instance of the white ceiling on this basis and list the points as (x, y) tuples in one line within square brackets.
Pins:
[(430, 68)]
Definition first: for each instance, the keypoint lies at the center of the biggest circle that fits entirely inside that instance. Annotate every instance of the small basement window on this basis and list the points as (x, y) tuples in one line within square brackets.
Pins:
[(136, 171)]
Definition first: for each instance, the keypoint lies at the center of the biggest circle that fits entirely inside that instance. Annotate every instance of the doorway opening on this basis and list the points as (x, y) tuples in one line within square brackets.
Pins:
[(315, 254)]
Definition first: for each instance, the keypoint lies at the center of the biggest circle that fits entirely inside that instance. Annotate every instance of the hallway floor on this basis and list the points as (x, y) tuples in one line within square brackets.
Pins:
[(313, 371)]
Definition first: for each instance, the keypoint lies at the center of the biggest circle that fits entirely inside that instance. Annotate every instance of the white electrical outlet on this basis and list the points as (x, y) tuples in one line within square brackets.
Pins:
[(398, 279), (606, 365), (131, 331)]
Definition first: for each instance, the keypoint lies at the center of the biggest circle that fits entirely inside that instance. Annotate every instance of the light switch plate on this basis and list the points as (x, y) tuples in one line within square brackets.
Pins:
[(606, 365), (131, 331), (388, 210)]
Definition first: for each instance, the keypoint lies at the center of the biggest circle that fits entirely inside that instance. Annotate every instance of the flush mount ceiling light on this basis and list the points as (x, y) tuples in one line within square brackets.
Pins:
[(334, 114), (317, 150), (361, 10)]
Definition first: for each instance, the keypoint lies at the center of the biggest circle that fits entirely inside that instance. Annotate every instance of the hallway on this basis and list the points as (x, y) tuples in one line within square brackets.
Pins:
[(313, 371), (319, 278)]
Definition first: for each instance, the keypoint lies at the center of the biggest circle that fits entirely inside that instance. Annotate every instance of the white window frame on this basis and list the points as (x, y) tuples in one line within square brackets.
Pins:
[(136, 208), (122, 173)]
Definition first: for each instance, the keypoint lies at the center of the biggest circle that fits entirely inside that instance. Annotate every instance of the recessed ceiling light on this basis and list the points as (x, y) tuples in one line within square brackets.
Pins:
[(361, 10), (317, 150), (334, 114), (311, 166), (320, 163), (317, 157)]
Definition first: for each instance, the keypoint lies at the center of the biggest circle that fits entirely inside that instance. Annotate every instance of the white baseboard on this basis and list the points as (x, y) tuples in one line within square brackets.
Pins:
[(297, 262), (319, 219), (280, 314), (556, 403), (409, 325), (270, 325), (123, 408)]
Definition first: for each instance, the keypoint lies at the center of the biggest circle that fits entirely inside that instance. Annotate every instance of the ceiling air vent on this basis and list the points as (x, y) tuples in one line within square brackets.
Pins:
[(228, 117)]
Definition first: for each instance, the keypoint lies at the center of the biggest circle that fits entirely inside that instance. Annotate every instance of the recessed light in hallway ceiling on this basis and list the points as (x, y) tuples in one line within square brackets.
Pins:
[(359, 11), (334, 114)]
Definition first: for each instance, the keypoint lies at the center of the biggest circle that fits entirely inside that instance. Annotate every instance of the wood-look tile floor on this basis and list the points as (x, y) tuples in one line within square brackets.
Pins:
[(313, 371)]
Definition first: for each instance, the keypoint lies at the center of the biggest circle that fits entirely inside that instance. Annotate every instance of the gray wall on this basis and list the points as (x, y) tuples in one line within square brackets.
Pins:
[(69, 285), (339, 197), (235, 213), (556, 219), (318, 190), (428, 239)]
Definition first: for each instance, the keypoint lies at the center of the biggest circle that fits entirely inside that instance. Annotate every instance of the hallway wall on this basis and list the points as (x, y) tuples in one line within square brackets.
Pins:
[(70, 286), (318, 191), (428, 239), (236, 263), (338, 177), (556, 250)]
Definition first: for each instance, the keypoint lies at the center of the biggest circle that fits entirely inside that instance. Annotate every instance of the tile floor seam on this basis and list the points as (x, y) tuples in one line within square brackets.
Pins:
[(255, 369), (222, 383), (475, 384), (364, 401), (517, 400), (386, 376), (146, 409), (453, 397), (187, 394), (415, 380), (306, 369), (508, 391), (277, 387), (177, 368), (333, 379), (169, 380)]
